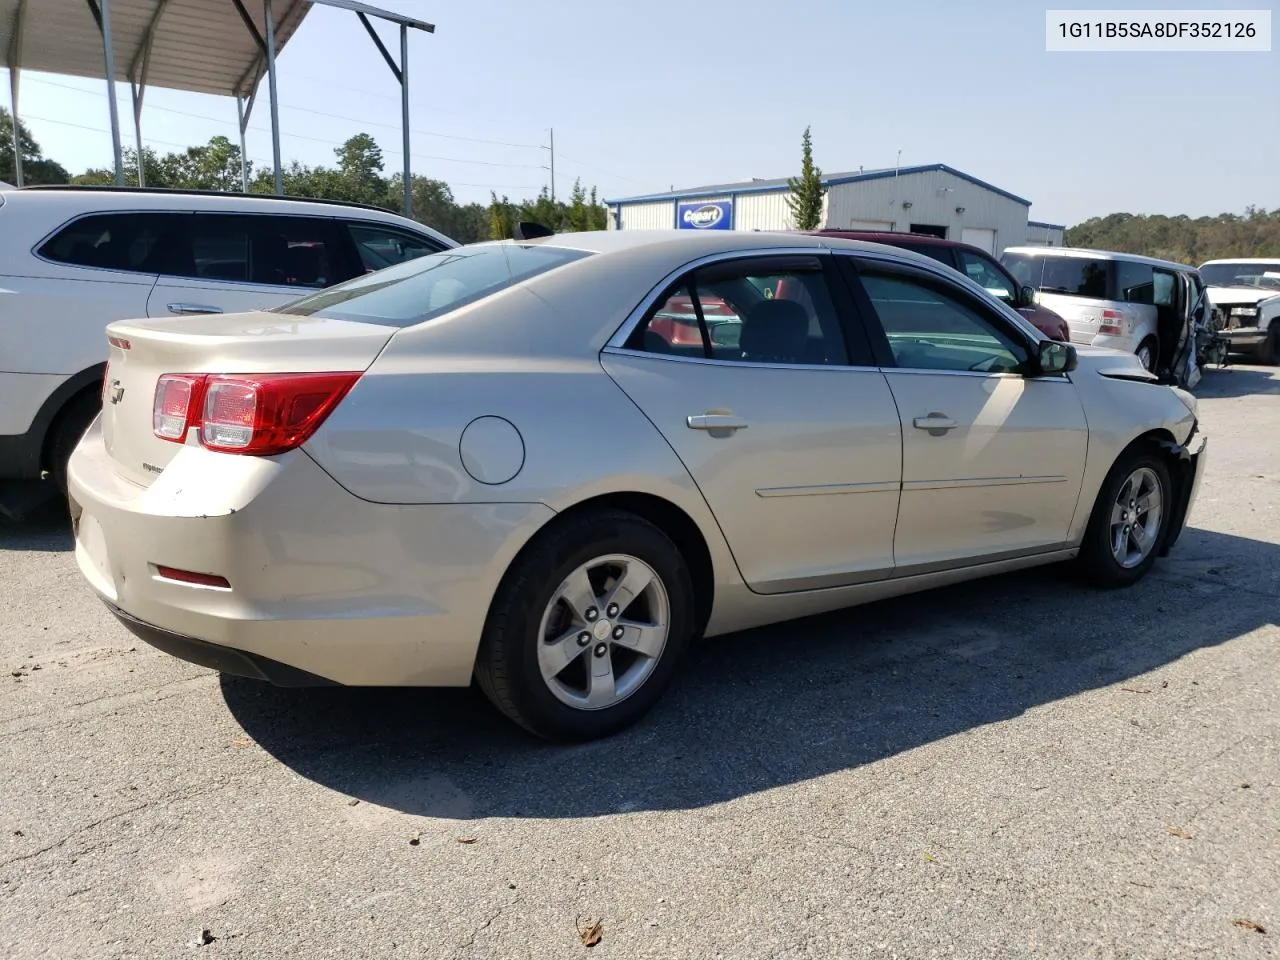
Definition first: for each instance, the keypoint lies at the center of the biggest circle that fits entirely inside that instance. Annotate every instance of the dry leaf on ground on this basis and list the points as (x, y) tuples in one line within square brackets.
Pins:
[(1177, 832), (467, 839), (591, 934), (414, 839), (1249, 925)]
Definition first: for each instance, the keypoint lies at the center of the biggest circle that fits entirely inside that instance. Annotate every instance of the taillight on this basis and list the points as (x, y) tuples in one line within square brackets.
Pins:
[(176, 405), (260, 415), (1111, 322)]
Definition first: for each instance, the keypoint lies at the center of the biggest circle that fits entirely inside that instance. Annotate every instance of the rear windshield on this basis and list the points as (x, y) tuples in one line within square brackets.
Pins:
[(429, 286), (1069, 276)]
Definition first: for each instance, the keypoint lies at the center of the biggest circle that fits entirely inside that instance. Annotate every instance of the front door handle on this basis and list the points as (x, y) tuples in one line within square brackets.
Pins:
[(185, 308), (936, 423), (716, 422)]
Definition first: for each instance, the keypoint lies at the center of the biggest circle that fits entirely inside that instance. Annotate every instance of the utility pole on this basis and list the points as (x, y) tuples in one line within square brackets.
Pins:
[(552, 148)]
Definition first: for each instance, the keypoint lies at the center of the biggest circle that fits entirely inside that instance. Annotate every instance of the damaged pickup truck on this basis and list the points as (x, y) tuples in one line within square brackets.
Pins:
[(1247, 294)]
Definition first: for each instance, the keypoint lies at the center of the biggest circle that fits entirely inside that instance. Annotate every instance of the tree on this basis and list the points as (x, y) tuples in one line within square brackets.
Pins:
[(35, 168), (158, 171), (214, 166), (500, 211), (806, 191), (360, 164)]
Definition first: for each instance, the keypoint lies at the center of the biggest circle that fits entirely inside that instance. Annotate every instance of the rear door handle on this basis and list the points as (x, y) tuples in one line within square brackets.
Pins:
[(716, 421), (936, 423), (185, 308)]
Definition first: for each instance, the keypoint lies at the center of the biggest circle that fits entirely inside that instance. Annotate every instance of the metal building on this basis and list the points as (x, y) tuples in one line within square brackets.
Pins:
[(1046, 234), (933, 199)]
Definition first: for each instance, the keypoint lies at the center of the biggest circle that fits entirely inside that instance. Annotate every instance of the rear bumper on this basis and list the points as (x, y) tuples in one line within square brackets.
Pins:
[(236, 663), (321, 582)]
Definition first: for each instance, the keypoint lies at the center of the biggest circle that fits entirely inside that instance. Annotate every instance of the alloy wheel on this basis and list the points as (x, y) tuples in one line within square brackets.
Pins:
[(603, 632), (1135, 517)]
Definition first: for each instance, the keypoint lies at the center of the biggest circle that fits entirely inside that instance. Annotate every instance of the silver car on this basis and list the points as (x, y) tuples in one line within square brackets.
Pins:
[(498, 462)]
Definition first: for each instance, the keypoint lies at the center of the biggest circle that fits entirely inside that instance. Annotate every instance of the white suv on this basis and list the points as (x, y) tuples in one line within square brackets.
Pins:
[(73, 259)]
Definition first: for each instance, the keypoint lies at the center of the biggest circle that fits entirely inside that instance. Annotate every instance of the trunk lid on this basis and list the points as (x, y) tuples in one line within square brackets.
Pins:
[(142, 350)]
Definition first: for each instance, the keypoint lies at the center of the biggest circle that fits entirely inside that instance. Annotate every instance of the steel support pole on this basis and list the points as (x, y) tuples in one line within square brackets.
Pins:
[(404, 116), (17, 138), (15, 69), (275, 101), (108, 57), (244, 160), (137, 131)]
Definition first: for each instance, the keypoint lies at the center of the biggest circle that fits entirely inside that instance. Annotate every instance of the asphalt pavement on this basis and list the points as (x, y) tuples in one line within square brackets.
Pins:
[(1017, 767)]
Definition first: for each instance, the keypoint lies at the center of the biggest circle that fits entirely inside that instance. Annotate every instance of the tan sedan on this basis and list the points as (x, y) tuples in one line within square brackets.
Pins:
[(499, 462)]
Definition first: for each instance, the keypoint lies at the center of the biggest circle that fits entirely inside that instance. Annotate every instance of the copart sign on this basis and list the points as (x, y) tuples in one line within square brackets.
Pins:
[(703, 215)]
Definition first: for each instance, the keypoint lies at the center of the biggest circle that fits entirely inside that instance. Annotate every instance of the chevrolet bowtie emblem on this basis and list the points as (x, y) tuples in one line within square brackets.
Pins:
[(115, 393)]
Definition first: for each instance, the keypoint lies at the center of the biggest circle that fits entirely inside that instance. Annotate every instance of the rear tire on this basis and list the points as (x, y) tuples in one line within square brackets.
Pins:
[(73, 420), (1124, 534), (550, 687), (1148, 353)]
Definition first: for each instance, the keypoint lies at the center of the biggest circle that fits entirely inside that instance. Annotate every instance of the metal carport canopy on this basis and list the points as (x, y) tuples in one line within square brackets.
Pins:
[(220, 47)]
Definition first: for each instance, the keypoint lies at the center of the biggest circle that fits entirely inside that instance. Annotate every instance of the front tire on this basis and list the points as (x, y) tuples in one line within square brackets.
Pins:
[(1269, 352), (588, 627), (1129, 521)]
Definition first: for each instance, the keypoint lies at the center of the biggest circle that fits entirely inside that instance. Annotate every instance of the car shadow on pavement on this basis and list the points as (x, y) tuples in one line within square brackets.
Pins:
[(781, 704), (46, 529), (1238, 381)]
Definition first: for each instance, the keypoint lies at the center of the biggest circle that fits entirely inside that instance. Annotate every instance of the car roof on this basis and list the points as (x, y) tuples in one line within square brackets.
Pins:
[(1086, 253), (70, 200), (1263, 260)]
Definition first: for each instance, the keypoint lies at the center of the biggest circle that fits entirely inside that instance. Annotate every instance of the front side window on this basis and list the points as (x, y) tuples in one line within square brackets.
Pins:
[(752, 311), (932, 328), (986, 275), (135, 242), (1065, 275), (380, 247), (271, 250), (430, 286)]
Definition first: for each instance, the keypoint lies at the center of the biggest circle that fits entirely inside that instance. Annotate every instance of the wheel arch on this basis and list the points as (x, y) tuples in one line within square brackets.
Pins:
[(668, 517), (33, 456)]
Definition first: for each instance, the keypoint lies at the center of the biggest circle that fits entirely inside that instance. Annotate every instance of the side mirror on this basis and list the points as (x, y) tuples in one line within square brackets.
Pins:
[(1056, 357), (1026, 296)]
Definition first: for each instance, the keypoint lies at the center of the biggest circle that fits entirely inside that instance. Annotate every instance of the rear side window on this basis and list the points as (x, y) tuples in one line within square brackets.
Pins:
[(136, 242), (1135, 282), (272, 250), (1068, 276), (432, 285), (380, 247), (758, 310)]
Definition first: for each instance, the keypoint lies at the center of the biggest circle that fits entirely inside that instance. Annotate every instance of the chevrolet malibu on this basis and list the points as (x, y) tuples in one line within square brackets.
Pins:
[(493, 462)]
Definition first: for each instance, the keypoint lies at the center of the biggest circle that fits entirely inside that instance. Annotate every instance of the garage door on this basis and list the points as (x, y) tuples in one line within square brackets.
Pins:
[(979, 237)]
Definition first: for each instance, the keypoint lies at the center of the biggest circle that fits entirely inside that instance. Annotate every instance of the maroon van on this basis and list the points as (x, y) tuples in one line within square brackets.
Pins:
[(975, 263)]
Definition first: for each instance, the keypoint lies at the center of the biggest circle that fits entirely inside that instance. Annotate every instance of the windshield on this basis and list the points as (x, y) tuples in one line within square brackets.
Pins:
[(1070, 276), (1242, 274), (429, 286)]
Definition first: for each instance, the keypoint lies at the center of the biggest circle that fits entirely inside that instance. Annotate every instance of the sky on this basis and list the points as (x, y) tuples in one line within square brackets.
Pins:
[(648, 96)]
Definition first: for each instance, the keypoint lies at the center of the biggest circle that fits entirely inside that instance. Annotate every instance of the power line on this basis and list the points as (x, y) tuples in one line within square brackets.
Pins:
[(319, 113), (267, 162)]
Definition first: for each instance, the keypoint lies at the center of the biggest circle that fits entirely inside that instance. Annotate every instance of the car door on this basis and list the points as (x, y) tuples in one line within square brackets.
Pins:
[(778, 413), (992, 458), (232, 263)]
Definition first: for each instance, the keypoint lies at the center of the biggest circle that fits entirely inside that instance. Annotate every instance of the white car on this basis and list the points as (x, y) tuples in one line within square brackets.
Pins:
[(1247, 294), (73, 259), (1121, 301), (502, 462)]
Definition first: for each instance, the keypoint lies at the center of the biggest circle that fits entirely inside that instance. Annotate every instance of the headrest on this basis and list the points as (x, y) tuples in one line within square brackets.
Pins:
[(775, 331)]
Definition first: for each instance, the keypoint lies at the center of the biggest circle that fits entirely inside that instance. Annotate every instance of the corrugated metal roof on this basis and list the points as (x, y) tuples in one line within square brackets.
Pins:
[(203, 46), (830, 179), (1046, 226)]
